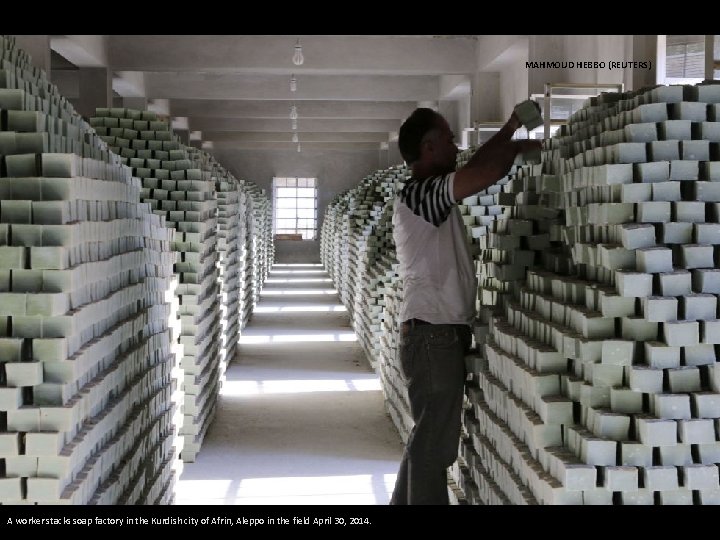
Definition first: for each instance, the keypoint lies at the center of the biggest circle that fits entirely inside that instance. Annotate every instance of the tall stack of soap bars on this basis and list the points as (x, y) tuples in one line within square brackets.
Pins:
[(182, 192), (597, 380), (86, 353), (118, 304), (357, 248)]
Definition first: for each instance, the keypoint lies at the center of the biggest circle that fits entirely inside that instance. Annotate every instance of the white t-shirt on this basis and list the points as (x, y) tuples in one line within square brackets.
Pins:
[(438, 274)]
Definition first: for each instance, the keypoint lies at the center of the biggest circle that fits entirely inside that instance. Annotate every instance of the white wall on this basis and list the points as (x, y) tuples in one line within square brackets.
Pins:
[(336, 171)]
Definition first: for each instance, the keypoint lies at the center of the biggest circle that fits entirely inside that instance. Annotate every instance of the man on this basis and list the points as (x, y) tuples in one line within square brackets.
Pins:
[(440, 288)]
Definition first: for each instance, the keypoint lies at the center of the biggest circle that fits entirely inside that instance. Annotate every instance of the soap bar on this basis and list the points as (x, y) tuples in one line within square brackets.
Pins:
[(656, 432), (684, 170), (677, 283), (528, 112), (663, 150), (695, 150), (654, 260), (635, 236), (688, 110), (660, 308), (671, 406), (699, 476), (657, 478)]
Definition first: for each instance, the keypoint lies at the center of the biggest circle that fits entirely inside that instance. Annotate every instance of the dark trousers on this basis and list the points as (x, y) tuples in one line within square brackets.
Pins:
[(432, 358)]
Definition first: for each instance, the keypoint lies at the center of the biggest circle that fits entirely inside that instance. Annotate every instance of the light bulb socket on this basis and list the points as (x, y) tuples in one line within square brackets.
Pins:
[(293, 84), (293, 113), (295, 138), (298, 57), (298, 147), (294, 124)]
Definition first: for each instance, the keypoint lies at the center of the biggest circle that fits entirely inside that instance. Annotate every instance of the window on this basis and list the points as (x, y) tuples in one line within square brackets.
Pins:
[(681, 59), (685, 57), (295, 206)]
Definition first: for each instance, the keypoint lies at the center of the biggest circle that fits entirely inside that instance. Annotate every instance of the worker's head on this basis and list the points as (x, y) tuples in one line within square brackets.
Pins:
[(426, 140)]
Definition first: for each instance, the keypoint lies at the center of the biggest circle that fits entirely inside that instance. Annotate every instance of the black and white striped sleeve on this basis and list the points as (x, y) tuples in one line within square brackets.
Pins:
[(431, 199)]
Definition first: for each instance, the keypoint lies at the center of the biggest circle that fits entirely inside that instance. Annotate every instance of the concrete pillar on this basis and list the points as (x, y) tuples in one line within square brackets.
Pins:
[(463, 113), (546, 48), (449, 110), (184, 135), (383, 156), (95, 90), (394, 157), (645, 48), (181, 128), (485, 98), (710, 57), (38, 47), (137, 103)]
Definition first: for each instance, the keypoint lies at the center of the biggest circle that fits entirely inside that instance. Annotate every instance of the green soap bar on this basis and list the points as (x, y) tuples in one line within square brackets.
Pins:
[(528, 112), (32, 143), (21, 165), (26, 121), (60, 165), (10, 398), (12, 257), (9, 444), (8, 143), (21, 374), (27, 280), (19, 212), (12, 99), (49, 258)]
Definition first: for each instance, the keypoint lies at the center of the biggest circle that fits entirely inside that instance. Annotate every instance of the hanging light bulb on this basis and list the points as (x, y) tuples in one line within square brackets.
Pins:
[(298, 147), (293, 83), (293, 113), (295, 138), (294, 124), (298, 57)]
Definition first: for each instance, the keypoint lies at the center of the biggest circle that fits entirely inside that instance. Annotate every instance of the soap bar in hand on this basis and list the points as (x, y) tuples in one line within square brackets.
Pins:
[(528, 112)]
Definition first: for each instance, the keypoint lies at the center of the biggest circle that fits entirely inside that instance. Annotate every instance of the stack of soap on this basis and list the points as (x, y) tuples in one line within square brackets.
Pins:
[(88, 318)]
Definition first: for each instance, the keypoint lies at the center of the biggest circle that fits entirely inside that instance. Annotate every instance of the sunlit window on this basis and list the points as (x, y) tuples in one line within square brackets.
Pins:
[(685, 56), (295, 207)]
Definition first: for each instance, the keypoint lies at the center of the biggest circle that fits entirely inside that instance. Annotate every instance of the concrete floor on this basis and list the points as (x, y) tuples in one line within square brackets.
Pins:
[(300, 419)]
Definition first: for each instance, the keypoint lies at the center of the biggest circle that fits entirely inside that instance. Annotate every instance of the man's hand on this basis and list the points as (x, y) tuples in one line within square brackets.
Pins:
[(514, 122)]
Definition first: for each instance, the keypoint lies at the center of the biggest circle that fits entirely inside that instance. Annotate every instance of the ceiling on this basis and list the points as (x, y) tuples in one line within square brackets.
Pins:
[(234, 91)]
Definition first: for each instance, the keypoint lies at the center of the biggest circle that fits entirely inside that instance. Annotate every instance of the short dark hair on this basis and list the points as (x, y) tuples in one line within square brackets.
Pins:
[(412, 132)]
